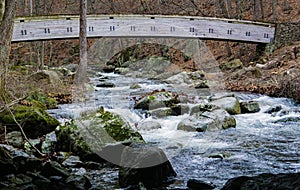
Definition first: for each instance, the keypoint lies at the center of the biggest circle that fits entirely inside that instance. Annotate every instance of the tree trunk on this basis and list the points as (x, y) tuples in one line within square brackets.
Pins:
[(80, 78), (6, 30), (229, 8)]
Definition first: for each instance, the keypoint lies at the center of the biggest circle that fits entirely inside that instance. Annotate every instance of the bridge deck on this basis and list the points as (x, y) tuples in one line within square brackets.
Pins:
[(62, 27)]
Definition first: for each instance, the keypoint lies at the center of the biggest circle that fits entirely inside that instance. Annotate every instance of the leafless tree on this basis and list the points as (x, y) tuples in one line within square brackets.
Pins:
[(81, 71), (6, 29)]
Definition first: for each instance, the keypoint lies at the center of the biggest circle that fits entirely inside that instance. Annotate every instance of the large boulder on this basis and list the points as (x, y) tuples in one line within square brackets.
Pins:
[(146, 164), (288, 181), (230, 104), (207, 121), (34, 120), (193, 124), (157, 99), (89, 134), (50, 77)]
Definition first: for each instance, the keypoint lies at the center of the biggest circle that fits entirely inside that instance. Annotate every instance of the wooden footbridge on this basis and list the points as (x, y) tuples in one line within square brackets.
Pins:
[(154, 26)]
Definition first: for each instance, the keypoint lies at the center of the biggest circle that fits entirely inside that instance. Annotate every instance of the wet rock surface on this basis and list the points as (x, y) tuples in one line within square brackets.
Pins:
[(265, 181), (145, 164)]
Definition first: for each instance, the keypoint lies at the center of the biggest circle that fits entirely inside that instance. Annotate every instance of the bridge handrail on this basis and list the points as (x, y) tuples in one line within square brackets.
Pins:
[(54, 17)]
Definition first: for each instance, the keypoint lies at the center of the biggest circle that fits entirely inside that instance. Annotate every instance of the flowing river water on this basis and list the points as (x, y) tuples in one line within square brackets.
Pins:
[(260, 143)]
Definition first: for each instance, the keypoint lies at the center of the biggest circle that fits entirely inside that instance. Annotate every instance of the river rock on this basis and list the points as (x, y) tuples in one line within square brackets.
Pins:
[(202, 107), (105, 85), (156, 100), (231, 65), (288, 181), (160, 112), (15, 138), (220, 95), (207, 121), (135, 86), (230, 104), (40, 181), (194, 124), (288, 119), (249, 107), (197, 75), (78, 182), (273, 109), (71, 67), (146, 164), (72, 161), (201, 84), (195, 184), (180, 109), (122, 70), (149, 125), (24, 163), (52, 168), (17, 181), (89, 134), (180, 78), (6, 162)]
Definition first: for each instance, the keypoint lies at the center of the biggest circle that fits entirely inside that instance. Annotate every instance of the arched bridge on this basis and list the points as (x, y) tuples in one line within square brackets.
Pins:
[(63, 27)]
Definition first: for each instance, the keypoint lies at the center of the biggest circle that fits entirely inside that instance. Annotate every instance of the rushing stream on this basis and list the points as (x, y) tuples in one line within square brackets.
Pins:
[(261, 142)]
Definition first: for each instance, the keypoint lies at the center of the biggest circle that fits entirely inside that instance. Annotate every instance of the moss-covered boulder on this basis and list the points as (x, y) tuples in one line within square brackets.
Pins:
[(41, 100), (93, 131), (35, 121)]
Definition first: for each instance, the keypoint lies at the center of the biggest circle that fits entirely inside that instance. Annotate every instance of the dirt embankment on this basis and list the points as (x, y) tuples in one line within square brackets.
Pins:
[(275, 75)]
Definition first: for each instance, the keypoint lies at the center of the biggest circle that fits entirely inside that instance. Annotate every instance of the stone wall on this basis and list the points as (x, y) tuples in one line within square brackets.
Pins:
[(286, 34)]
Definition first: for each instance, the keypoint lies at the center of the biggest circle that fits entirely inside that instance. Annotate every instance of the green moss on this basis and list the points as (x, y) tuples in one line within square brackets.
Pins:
[(34, 120), (93, 131), (42, 100), (151, 97), (69, 140), (115, 126)]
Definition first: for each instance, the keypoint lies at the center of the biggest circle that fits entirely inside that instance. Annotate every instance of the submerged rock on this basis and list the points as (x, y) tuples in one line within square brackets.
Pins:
[(288, 119), (273, 109)]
